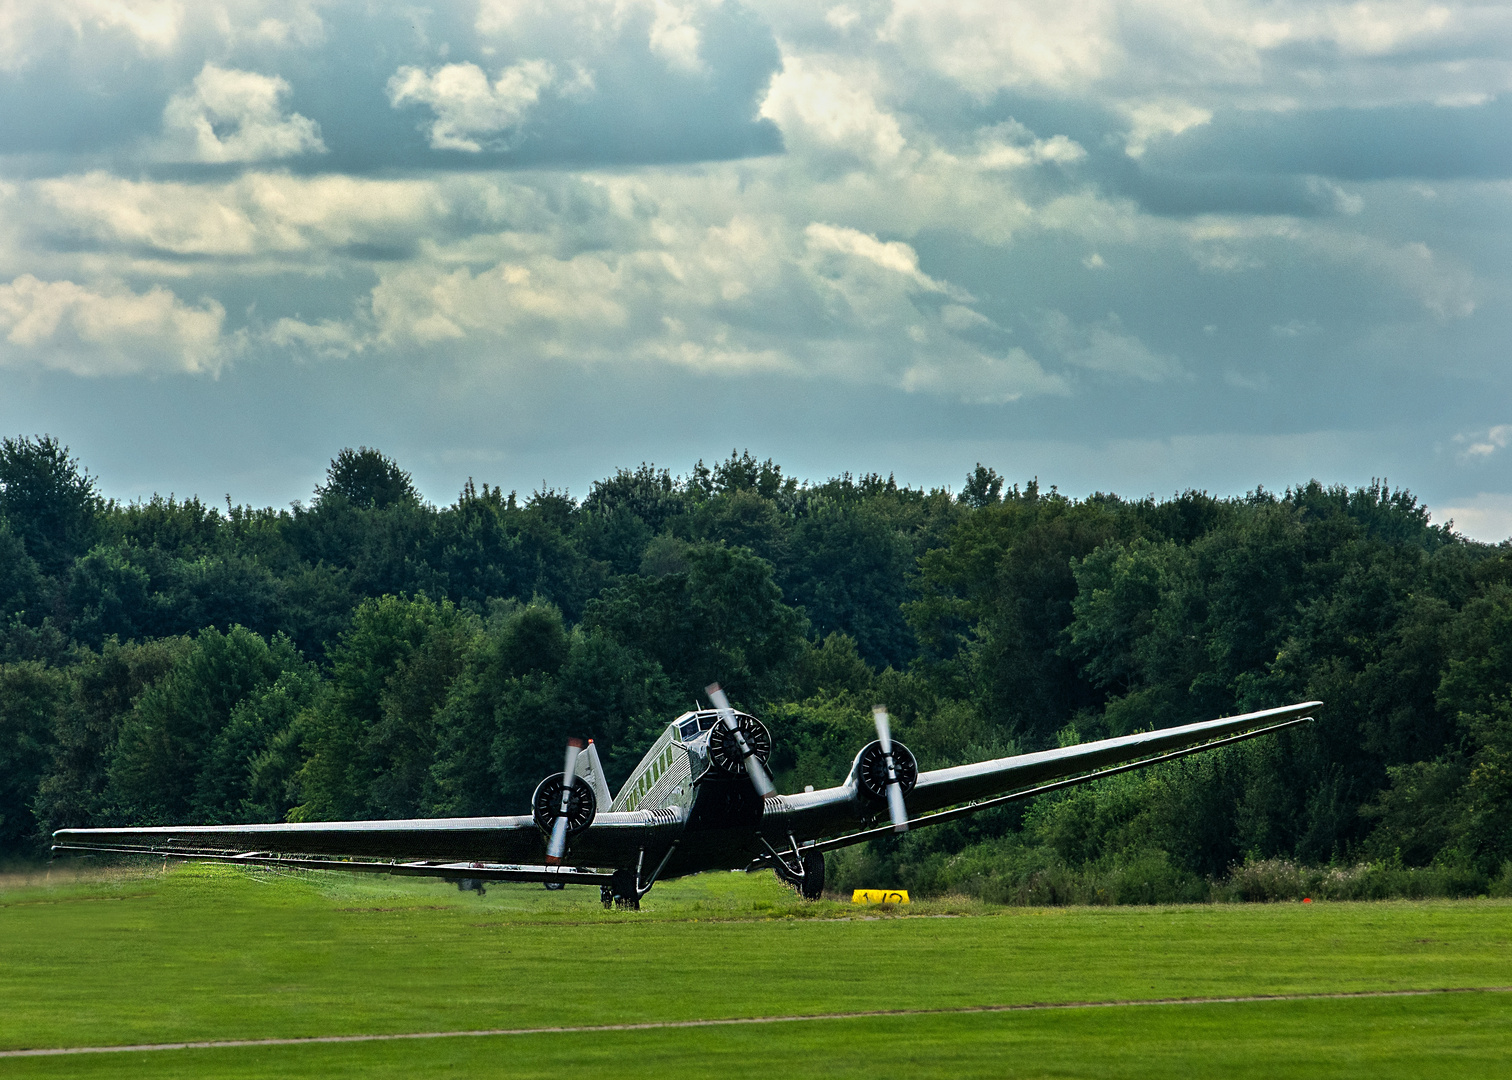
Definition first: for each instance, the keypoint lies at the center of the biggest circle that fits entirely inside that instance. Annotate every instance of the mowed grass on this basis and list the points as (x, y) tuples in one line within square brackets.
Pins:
[(206, 953)]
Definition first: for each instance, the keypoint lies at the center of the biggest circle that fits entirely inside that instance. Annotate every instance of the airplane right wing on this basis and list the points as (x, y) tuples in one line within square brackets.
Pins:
[(972, 788), (946, 787)]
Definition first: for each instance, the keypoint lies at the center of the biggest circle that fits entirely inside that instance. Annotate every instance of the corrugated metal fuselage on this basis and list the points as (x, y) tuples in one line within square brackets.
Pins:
[(717, 820)]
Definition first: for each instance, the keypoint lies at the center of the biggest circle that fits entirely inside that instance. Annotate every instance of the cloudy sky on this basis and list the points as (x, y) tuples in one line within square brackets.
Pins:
[(1135, 247)]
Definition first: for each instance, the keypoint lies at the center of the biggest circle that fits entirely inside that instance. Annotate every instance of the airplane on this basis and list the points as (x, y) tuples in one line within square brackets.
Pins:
[(701, 799)]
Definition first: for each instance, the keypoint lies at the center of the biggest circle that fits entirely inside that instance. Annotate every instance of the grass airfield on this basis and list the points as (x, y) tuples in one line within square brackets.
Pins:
[(206, 953)]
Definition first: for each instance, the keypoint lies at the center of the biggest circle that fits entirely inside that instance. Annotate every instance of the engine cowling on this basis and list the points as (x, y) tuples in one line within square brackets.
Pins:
[(724, 750), (582, 807), (870, 770)]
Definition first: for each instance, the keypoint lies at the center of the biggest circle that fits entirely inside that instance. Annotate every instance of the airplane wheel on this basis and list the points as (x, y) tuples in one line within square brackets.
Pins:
[(811, 885), (622, 889), (813, 876)]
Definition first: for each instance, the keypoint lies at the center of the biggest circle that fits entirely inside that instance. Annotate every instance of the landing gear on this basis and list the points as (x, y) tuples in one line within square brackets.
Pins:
[(627, 886), (621, 891), (809, 883)]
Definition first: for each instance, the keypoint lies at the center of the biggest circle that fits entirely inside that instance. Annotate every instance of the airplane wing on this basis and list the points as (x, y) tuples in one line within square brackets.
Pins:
[(512, 848), (989, 783)]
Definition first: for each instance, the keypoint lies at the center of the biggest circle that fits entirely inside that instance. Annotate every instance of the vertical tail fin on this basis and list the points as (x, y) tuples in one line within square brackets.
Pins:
[(590, 769)]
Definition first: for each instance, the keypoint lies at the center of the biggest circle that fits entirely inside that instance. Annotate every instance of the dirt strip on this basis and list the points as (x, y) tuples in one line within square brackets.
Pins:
[(657, 1025)]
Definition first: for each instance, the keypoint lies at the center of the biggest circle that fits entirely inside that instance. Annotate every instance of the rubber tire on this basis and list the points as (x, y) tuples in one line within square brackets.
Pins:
[(811, 885)]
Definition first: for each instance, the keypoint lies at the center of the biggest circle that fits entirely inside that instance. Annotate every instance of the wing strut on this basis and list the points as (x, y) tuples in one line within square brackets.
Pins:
[(571, 875)]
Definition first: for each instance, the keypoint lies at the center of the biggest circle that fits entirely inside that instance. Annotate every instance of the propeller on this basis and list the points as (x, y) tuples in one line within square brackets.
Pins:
[(748, 758), (895, 805), (558, 846)]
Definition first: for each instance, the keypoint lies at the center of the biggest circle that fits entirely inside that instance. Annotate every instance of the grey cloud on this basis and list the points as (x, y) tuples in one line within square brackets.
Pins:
[(1417, 141)]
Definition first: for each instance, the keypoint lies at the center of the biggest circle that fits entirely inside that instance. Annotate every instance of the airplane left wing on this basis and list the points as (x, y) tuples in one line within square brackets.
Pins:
[(513, 846)]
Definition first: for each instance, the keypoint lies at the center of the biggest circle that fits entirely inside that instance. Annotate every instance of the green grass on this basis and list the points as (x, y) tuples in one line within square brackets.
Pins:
[(205, 953)]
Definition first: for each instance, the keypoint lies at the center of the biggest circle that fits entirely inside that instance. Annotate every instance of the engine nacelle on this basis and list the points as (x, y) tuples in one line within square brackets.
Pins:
[(724, 751), (870, 770), (582, 807)]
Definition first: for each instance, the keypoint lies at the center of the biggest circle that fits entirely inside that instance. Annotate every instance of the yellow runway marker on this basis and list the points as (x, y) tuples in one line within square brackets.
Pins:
[(879, 896)]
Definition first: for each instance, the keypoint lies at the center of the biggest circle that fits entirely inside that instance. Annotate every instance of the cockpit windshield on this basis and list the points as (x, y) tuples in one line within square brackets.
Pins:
[(689, 729)]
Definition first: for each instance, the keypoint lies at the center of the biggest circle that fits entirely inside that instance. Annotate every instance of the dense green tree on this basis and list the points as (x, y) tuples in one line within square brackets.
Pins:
[(49, 499), (167, 742), (372, 739), (995, 604), (721, 620), (20, 580), (849, 569), (249, 771), (528, 686), (366, 478), (110, 596), (31, 696), (106, 687)]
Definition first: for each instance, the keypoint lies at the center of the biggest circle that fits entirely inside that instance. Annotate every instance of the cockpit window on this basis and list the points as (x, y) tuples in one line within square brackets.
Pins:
[(706, 721), (689, 730)]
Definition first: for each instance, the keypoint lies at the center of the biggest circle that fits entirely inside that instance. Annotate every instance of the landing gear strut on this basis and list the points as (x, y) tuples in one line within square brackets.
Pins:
[(626, 887)]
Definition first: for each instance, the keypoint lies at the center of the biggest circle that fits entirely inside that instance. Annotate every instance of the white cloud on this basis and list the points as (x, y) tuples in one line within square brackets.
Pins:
[(1483, 444), (467, 106), (1487, 517), (892, 256), (104, 34), (988, 45), (821, 301), (68, 327), (154, 24), (821, 108), (326, 338), (230, 115), (674, 32), (1011, 145), (980, 378), (257, 214), (1160, 119), (842, 17), (1255, 53), (675, 36)]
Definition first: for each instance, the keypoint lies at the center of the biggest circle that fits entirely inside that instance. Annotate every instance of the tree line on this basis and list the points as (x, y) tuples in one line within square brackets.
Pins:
[(373, 655)]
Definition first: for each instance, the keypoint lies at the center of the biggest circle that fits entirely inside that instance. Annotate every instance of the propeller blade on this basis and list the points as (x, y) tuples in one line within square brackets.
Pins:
[(748, 758), (558, 845), (569, 769), (895, 808)]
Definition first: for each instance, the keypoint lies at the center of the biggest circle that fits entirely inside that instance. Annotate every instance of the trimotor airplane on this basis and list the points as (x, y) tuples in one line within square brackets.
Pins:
[(701, 799)]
